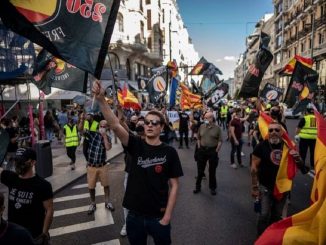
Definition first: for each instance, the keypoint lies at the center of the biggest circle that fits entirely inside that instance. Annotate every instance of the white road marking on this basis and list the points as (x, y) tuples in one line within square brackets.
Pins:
[(73, 210), (103, 217), (112, 242), (80, 186), (98, 192)]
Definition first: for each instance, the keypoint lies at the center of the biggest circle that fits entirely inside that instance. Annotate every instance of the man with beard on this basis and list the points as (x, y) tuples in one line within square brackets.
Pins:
[(265, 162), (133, 122), (154, 171)]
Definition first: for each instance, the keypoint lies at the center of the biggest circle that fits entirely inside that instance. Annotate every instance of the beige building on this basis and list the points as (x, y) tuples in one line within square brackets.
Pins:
[(300, 28)]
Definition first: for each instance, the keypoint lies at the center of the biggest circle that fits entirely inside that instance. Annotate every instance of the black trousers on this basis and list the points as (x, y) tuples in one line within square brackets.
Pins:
[(85, 149), (304, 144), (204, 155), (71, 152), (183, 133)]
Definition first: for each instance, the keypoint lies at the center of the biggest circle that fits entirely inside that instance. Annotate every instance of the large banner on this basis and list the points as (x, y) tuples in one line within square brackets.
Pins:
[(255, 73), (271, 92), (54, 72), (213, 97), (76, 31)]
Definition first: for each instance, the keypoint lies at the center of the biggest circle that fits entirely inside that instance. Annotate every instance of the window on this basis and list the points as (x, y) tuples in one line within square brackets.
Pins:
[(310, 43), (120, 22), (278, 58), (149, 43), (289, 53), (295, 50), (163, 12), (303, 46), (128, 69), (321, 38), (141, 30), (114, 61), (148, 1), (149, 19)]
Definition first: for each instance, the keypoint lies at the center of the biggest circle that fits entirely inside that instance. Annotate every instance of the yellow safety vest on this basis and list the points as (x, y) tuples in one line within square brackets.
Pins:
[(71, 136), (93, 126), (309, 131), (224, 111)]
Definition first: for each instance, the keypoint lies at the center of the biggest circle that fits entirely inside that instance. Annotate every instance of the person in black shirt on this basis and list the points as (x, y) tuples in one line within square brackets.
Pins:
[(10, 233), (30, 196), (265, 163), (183, 128), (152, 185)]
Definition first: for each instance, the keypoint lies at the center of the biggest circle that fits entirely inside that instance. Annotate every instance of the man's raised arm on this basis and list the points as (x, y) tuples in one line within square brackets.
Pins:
[(110, 117)]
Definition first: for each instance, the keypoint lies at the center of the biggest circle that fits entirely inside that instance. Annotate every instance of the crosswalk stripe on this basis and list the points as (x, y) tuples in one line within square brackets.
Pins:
[(73, 210), (102, 216), (112, 242), (98, 192), (80, 186)]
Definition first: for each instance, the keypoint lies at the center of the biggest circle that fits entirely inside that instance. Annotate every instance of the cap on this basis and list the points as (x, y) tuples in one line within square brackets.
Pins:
[(25, 154)]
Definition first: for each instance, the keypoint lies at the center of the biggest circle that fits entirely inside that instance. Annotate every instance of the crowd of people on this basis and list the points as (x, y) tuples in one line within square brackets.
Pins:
[(153, 167)]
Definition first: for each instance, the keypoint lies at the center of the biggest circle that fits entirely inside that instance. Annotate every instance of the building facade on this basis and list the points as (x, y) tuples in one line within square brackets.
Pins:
[(300, 28)]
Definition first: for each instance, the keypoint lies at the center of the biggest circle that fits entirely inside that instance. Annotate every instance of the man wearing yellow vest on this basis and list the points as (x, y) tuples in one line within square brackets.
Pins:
[(85, 126), (71, 141), (224, 113), (307, 131)]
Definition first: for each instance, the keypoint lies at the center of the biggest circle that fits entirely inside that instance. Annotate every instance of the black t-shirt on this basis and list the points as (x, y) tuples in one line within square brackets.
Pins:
[(150, 170), (25, 200), (12, 147), (14, 234), (183, 119), (270, 156)]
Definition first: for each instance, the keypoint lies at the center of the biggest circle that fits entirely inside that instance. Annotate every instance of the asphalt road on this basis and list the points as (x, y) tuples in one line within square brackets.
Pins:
[(227, 218)]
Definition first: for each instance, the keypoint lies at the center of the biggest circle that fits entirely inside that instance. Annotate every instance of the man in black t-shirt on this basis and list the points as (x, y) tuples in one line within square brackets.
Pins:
[(183, 128), (152, 185), (30, 196), (11, 233), (265, 163)]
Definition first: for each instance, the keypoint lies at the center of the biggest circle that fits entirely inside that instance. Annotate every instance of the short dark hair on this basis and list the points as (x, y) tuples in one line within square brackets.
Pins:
[(158, 114)]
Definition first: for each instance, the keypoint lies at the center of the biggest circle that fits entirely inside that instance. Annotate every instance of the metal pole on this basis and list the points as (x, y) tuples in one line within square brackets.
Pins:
[(170, 39), (312, 35)]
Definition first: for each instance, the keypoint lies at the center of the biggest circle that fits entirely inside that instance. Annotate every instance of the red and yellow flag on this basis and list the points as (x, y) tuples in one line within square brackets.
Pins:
[(127, 99), (308, 226), (189, 100), (287, 168), (289, 67)]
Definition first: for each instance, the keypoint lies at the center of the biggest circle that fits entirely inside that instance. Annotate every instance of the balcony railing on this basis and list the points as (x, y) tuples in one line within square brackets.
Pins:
[(307, 3), (320, 21)]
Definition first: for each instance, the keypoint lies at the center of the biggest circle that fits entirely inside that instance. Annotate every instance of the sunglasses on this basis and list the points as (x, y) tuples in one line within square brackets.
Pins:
[(153, 122), (277, 130)]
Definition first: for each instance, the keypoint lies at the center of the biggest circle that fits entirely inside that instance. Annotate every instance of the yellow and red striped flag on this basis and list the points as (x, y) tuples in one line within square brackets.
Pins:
[(289, 67), (287, 168), (189, 100), (308, 226), (127, 99)]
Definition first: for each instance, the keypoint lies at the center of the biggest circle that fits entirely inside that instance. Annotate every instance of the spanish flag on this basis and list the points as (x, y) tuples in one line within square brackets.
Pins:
[(127, 99), (308, 226), (287, 168), (289, 67)]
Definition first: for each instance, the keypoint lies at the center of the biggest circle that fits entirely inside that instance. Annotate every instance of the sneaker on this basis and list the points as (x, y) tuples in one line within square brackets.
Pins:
[(91, 209), (180, 147), (241, 165), (233, 165), (109, 206), (213, 192), (123, 231), (197, 190), (242, 154), (72, 166)]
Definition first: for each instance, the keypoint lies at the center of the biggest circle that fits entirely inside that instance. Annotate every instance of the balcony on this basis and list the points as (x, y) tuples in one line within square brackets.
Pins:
[(320, 21), (320, 49), (307, 4)]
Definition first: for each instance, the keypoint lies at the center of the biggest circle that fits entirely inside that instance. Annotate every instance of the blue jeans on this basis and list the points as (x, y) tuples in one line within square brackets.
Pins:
[(139, 227)]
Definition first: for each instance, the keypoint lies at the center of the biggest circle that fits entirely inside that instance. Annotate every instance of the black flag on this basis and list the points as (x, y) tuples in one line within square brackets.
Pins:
[(77, 32), (52, 72)]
